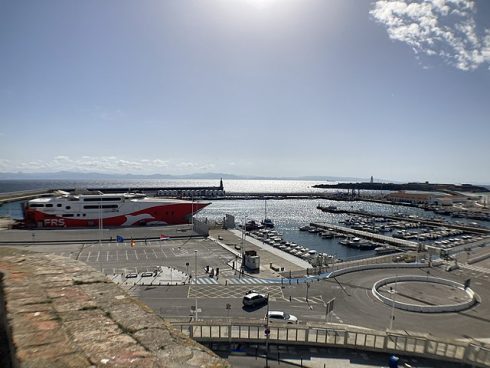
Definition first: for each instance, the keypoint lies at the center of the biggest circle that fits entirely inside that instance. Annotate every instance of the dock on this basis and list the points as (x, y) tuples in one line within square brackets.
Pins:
[(407, 244), (469, 229), (24, 195)]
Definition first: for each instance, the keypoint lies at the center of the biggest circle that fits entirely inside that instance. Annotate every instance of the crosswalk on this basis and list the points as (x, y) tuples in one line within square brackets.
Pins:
[(235, 281), (310, 300), (474, 268), (205, 281), (251, 281)]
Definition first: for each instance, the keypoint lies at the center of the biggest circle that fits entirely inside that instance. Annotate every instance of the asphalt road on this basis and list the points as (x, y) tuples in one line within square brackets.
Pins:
[(354, 303)]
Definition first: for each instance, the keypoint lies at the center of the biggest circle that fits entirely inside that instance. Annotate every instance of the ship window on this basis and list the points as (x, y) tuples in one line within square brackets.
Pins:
[(78, 215), (68, 207), (103, 199), (93, 206), (84, 214), (36, 205), (59, 205), (68, 215), (49, 205)]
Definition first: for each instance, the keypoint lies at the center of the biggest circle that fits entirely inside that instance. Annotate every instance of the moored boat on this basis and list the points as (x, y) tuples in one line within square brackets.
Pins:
[(107, 210)]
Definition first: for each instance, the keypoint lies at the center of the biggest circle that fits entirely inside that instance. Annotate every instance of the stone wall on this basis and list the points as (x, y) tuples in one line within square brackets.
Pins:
[(58, 312)]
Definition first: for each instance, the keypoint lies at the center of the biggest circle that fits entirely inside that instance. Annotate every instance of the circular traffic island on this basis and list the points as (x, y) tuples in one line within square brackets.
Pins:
[(424, 294)]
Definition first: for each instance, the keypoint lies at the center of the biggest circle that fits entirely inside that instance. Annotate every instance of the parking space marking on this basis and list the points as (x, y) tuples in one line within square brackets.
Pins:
[(135, 254)]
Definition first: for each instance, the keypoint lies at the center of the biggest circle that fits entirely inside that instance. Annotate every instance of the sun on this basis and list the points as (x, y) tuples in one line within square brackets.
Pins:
[(260, 4)]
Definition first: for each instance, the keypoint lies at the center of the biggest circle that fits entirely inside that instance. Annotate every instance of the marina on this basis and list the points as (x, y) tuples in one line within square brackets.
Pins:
[(399, 227)]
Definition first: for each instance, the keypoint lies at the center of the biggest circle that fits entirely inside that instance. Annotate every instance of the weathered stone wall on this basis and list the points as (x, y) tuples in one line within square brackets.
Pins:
[(62, 313)]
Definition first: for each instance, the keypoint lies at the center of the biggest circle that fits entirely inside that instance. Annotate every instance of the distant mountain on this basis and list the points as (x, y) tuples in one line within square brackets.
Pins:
[(73, 175)]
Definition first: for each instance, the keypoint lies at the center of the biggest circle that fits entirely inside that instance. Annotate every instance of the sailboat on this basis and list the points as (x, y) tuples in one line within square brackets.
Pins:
[(267, 222)]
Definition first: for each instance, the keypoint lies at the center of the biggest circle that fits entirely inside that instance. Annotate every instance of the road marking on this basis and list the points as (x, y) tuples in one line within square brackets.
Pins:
[(117, 255), (88, 255), (127, 259), (153, 250), (136, 254), (107, 256)]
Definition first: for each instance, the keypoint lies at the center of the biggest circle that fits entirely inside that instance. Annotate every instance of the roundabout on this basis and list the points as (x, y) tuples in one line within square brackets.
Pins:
[(424, 294)]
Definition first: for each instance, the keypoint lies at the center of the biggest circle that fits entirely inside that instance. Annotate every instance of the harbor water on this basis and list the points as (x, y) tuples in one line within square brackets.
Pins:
[(288, 214)]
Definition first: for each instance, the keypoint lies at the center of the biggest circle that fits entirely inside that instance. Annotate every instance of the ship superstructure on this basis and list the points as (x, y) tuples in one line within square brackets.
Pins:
[(108, 210)]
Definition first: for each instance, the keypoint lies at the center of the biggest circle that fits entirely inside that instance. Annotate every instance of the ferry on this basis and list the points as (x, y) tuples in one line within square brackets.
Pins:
[(107, 210)]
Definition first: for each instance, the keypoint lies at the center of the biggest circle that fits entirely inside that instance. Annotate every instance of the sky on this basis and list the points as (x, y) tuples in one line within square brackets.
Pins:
[(393, 89)]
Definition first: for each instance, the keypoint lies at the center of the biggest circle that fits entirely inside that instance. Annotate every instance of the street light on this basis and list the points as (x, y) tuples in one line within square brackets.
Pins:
[(100, 221), (392, 292), (195, 278), (244, 228), (267, 334)]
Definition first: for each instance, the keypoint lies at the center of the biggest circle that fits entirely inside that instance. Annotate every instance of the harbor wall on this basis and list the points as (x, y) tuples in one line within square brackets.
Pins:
[(60, 312)]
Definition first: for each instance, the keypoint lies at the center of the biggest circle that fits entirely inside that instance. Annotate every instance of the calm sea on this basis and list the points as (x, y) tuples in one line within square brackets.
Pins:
[(249, 186), (287, 214)]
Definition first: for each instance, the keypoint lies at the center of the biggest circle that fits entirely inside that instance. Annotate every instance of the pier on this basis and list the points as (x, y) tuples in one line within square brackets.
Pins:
[(24, 195), (367, 235), (469, 229)]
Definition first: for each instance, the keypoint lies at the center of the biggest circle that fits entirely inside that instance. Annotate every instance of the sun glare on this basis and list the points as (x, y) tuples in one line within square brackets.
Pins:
[(260, 4)]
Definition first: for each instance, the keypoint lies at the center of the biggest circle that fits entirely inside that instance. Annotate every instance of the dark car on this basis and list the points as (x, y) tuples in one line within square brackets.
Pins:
[(253, 299)]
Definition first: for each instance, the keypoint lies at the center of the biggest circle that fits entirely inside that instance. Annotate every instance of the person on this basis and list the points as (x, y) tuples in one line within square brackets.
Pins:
[(393, 361)]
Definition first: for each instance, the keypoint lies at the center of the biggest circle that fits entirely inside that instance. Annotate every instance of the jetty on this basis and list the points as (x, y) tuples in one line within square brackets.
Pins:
[(24, 195), (419, 220), (402, 243)]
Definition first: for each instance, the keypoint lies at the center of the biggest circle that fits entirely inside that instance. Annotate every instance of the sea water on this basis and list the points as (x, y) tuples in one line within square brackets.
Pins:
[(288, 214)]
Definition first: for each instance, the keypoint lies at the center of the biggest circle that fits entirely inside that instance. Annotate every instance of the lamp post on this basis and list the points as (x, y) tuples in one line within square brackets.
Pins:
[(392, 292), (195, 278), (192, 213), (100, 221), (244, 228), (267, 334)]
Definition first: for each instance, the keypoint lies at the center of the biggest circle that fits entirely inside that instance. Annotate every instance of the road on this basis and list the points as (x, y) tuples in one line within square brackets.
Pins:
[(354, 303)]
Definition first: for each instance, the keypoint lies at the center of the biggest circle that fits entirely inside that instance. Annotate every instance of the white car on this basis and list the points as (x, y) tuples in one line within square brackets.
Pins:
[(279, 316)]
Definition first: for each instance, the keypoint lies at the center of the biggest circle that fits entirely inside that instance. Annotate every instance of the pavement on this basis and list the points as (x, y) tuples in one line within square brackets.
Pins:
[(178, 259), (268, 255)]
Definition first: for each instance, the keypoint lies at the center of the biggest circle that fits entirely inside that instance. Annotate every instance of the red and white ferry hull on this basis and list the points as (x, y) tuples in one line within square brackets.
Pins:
[(68, 213)]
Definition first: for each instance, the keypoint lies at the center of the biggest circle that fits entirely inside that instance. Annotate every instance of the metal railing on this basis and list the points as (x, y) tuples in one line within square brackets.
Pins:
[(344, 337)]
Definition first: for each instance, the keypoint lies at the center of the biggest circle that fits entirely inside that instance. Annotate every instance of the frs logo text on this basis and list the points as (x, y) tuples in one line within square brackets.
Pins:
[(54, 222)]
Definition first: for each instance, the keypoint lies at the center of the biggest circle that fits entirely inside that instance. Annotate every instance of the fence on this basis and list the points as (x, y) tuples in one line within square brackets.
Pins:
[(345, 337)]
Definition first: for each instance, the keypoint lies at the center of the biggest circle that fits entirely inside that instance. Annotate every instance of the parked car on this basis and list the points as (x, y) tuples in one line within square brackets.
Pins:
[(253, 299), (131, 275), (279, 316)]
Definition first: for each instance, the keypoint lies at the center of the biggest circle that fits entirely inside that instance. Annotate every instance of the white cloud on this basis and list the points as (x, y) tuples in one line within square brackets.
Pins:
[(105, 164), (446, 28)]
